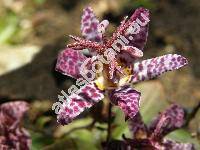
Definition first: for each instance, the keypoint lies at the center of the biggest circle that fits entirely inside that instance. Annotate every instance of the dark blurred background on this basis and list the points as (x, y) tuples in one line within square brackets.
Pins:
[(32, 32)]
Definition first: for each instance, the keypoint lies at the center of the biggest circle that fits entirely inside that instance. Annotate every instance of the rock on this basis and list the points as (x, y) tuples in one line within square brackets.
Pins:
[(13, 57), (36, 80)]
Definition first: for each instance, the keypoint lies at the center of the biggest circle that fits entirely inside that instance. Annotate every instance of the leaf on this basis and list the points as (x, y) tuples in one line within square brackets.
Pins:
[(8, 27), (121, 127), (39, 140), (184, 136), (41, 121), (84, 139), (61, 130), (61, 143)]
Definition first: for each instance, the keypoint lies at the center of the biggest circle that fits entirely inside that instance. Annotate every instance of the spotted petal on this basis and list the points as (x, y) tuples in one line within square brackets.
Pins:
[(89, 24), (139, 39), (13, 136), (135, 31), (173, 145), (4, 147), (69, 62), (152, 68), (85, 98), (169, 120), (11, 113), (127, 99)]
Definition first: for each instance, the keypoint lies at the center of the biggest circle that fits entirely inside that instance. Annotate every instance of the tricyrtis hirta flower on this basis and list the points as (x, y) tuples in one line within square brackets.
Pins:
[(12, 135), (115, 62), (152, 137)]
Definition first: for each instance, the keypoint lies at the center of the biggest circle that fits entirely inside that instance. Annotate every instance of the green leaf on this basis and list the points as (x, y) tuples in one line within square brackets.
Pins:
[(62, 144), (39, 141), (62, 130), (8, 27), (121, 126), (184, 136), (84, 139), (41, 121)]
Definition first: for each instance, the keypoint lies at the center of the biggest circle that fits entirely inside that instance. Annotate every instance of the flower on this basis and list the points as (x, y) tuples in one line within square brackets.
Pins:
[(152, 137), (123, 68), (12, 135)]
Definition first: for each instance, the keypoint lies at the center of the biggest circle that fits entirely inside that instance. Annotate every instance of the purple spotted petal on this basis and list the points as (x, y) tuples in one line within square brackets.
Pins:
[(102, 26), (127, 99), (172, 145), (137, 127), (12, 135), (128, 55), (171, 119), (152, 68), (69, 62), (85, 98), (18, 139), (11, 113), (139, 39), (136, 36), (89, 24), (4, 147)]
